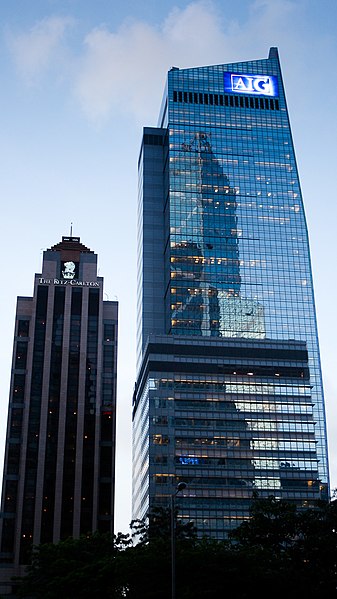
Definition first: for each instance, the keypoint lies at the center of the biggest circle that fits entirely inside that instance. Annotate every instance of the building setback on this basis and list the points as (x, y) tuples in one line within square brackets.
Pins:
[(229, 395), (59, 469)]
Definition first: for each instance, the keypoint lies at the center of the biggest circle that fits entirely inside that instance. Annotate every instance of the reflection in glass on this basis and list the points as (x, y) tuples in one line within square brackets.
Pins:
[(205, 265)]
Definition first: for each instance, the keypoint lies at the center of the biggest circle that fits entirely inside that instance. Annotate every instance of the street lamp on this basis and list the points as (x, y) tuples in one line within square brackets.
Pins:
[(180, 487)]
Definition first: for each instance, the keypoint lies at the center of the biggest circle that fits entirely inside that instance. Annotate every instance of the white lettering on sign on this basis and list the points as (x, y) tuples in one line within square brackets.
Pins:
[(71, 282), (264, 85), (260, 85)]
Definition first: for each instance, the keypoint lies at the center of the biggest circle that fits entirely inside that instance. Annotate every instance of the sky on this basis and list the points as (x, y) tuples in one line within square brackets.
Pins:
[(79, 79)]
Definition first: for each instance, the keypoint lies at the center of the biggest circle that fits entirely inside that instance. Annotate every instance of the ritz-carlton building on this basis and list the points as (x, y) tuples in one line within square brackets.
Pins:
[(59, 469), (229, 395)]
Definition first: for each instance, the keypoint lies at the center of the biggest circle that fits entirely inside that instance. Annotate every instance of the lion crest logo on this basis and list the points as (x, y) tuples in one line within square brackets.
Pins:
[(69, 270)]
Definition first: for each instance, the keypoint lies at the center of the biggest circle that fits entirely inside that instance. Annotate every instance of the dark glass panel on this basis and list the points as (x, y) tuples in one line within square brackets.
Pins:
[(23, 328), (71, 415), (21, 355), (53, 417), (34, 423)]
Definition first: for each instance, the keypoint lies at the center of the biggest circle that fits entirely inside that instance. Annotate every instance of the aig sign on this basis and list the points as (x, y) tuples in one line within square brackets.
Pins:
[(259, 85)]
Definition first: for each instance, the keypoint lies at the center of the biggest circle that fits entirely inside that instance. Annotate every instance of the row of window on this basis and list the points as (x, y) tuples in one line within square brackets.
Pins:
[(226, 100), (217, 481)]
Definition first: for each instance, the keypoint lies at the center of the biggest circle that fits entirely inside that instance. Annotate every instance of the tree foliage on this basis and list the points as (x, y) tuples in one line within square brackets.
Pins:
[(279, 551), (72, 568)]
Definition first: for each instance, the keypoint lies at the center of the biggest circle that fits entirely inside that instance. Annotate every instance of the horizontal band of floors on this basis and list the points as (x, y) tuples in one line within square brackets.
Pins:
[(238, 454), (238, 357), (286, 456), (12, 516), (238, 493), (233, 503), (223, 474), (155, 364), (280, 349), (231, 498)]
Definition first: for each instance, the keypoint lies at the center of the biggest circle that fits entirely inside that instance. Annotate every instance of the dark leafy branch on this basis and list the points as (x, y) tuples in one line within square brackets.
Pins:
[(278, 552)]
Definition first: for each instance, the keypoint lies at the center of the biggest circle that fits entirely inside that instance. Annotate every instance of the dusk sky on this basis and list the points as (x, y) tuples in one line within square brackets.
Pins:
[(79, 79)]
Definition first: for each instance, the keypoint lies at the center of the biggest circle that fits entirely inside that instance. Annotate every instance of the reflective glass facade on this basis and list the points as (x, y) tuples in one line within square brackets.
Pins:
[(59, 470), (224, 264)]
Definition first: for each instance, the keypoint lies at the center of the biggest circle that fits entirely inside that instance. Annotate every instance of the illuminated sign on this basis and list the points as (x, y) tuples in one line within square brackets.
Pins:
[(71, 282), (189, 461), (259, 85), (69, 270)]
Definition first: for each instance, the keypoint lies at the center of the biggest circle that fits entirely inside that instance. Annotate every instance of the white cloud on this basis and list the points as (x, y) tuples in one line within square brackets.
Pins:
[(125, 70), (35, 50)]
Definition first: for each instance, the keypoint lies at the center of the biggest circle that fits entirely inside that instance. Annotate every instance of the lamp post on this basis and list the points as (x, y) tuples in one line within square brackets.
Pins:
[(180, 487)]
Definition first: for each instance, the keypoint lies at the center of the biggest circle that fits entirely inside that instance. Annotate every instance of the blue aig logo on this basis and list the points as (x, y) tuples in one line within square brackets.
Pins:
[(262, 85)]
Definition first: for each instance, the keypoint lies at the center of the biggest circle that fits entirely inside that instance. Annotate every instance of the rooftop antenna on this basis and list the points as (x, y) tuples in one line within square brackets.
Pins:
[(71, 229)]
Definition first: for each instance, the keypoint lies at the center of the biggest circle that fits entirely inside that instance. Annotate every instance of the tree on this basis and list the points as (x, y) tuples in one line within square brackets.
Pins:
[(294, 550), (280, 551), (145, 567), (74, 568)]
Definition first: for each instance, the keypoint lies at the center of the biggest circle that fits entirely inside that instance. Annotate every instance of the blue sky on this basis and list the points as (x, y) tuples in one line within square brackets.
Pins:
[(79, 79)]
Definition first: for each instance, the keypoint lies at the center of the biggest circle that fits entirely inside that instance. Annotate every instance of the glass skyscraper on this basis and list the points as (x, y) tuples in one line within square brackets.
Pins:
[(229, 395), (59, 470)]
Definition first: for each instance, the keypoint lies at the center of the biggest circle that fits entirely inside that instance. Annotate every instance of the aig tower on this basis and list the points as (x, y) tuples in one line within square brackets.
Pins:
[(229, 396), (60, 447)]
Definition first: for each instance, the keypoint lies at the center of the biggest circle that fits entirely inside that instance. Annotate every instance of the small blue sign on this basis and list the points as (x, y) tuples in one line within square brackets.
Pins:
[(189, 461), (258, 85)]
